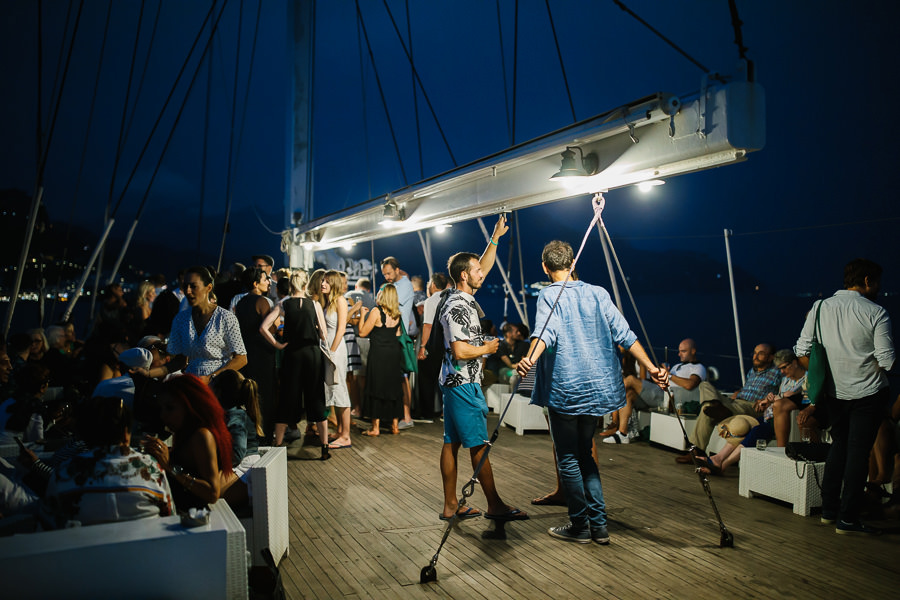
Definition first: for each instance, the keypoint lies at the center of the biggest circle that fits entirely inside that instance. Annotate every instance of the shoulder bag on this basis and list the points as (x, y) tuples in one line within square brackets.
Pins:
[(407, 350), (818, 373)]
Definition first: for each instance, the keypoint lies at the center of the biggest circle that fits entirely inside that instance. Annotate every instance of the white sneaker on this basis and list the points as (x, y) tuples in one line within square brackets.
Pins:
[(616, 438)]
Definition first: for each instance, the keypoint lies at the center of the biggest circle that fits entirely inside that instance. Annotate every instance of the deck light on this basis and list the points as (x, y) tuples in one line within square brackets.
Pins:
[(392, 214), (570, 168), (646, 186)]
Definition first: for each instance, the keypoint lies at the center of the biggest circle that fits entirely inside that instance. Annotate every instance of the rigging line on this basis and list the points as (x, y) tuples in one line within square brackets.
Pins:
[(521, 262), (660, 35), (209, 85), (365, 116), (415, 94), (738, 35), (37, 196), (62, 47), (562, 67), (419, 80), (121, 143), (503, 70), (165, 105), (310, 173), (143, 71), (244, 113), (62, 86), (39, 134), (601, 229), (512, 140), (387, 113), (229, 175), (84, 147), (162, 155)]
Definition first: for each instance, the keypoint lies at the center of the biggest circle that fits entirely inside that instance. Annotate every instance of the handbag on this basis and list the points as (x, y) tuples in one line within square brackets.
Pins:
[(818, 372), (807, 451), (407, 350)]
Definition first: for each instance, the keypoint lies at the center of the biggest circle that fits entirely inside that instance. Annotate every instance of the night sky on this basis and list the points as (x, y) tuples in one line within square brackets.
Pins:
[(820, 192)]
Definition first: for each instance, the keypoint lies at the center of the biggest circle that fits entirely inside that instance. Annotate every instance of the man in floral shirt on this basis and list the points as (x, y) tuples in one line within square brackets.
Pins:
[(465, 409)]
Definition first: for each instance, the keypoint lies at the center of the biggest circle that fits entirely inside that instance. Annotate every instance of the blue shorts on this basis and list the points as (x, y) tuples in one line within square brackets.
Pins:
[(465, 415)]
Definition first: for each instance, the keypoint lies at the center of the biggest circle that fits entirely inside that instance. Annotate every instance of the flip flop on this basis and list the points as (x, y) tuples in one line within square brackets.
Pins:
[(548, 500), (711, 467), (333, 446), (368, 433), (513, 514), (469, 513)]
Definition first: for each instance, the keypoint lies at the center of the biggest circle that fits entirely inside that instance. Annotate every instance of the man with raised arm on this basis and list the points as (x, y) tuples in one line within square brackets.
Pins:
[(579, 379), (465, 409)]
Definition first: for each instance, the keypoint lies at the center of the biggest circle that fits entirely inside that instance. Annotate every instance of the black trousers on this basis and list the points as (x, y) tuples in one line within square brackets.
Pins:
[(854, 425), (427, 386)]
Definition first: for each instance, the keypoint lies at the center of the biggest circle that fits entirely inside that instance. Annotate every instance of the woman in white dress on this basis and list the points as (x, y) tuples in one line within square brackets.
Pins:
[(336, 393)]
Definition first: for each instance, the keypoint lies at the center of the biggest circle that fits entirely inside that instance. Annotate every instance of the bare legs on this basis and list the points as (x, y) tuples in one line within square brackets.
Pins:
[(280, 428), (407, 400), (449, 453), (343, 417)]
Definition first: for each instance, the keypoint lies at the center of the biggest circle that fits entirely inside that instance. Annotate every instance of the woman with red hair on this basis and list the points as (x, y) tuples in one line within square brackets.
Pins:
[(199, 464)]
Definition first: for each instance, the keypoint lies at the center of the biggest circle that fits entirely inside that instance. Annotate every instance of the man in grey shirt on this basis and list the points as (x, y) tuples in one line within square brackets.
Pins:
[(856, 334)]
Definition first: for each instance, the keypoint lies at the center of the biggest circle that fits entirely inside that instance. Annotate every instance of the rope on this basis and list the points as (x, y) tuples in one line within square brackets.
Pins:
[(604, 233), (165, 148), (660, 35), (562, 67), (503, 71), (418, 79), (387, 113), (140, 87), (39, 134), (84, 153), (365, 116), (121, 143), (229, 178), (512, 137), (244, 116), (62, 86), (165, 105), (414, 94), (62, 47), (736, 25)]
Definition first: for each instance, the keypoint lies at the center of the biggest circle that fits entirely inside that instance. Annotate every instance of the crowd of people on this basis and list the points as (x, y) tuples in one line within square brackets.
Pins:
[(164, 406)]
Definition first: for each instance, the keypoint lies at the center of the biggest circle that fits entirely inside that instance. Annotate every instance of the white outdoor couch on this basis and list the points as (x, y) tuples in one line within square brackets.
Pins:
[(269, 526), (146, 558)]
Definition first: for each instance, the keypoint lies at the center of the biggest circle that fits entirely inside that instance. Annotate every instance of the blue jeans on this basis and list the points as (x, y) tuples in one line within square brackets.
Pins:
[(573, 437), (854, 424)]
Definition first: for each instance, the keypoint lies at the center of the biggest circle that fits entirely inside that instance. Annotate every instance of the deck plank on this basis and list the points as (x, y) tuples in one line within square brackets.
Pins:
[(364, 523)]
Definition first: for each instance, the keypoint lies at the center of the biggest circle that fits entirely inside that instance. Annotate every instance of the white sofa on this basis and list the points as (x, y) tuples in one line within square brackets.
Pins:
[(269, 526), (146, 558)]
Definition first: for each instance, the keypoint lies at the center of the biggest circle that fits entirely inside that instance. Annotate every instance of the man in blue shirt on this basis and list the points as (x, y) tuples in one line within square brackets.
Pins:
[(763, 379), (579, 380)]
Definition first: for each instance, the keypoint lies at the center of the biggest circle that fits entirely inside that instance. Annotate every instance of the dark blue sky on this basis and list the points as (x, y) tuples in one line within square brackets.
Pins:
[(827, 68)]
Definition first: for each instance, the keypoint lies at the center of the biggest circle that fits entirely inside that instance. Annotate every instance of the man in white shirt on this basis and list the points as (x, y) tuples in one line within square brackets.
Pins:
[(642, 395), (429, 364), (856, 334)]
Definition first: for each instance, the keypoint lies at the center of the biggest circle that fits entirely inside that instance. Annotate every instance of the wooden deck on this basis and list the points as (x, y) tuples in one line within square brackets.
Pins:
[(365, 523)]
